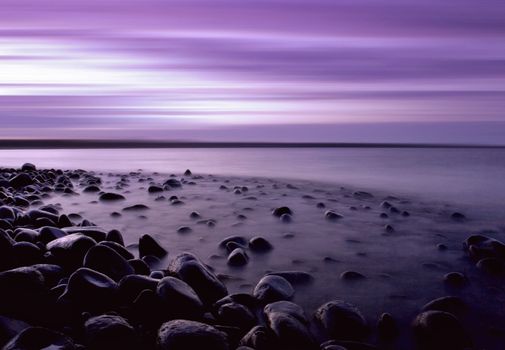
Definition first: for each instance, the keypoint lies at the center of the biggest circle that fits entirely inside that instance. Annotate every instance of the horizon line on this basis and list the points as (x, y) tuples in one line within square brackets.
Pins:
[(111, 144)]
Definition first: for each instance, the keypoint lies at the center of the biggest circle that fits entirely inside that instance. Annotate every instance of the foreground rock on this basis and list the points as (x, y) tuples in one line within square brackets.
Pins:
[(185, 335), (342, 320), (438, 330), (106, 332), (273, 288), (40, 338)]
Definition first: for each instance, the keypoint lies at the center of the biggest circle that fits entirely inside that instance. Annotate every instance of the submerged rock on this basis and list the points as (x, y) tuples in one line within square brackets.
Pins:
[(149, 246), (110, 196), (281, 211)]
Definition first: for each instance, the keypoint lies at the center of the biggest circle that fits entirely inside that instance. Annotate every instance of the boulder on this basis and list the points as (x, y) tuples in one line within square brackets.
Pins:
[(273, 288), (184, 335), (342, 320)]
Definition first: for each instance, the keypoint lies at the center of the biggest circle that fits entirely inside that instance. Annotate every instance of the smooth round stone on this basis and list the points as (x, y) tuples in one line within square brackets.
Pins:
[(286, 218), (132, 285), (107, 332), (110, 196), (89, 289), (240, 240), (281, 211), (27, 253), (185, 335), (352, 276), (106, 260), (115, 236), (49, 233), (342, 320), (288, 308), (195, 215), (33, 338), (386, 326), (332, 216), (440, 330), (155, 189), (180, 299), (236, 315), (204, 282), (136, 207), (455, 279), (451, 304), (149, 246), (188, 172), (118, 248), (21, 180), (28, 167), (273, 288), (9, 328), (184, 229), (91, 189), (140, 267), (492, 266), (457, 216), (259, 244), (259, 337), (480, 246), (173, 183), (238, 257)]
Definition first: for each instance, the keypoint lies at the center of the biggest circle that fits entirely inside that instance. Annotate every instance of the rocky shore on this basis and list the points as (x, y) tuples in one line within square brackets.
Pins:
[(152, 261)]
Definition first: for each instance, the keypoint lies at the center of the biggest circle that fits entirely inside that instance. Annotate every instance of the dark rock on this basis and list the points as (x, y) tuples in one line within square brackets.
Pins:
[(288, 308), (106, 332), (172, 183), (51, 273), (106, 260), (140, 267), (362, 195), (451, 304), (235, 314), (148, 310), (281, 210), (115, 236), (291, 332), (132, 285), (286, 218), (9, 328), (187, 172), (26, 253), (32, 338), (238, 257), (24, 293), (386, 326), (347, 345), (438, 330), (273, 288), (242, 241), (184, 229), (184, 335), (480, 246), (157, 274), (259, 244), (89, 290), (91, 189), (455, 279), (136, 207), (149, 246), (239, 298), (151, 261), (21, 180), (195, 215), (110, 196), (352, 276), (28, 167), (342, 320), (179, 299), (333, 216), (458, 216), (492, 266), (260, 338), (203, 281), (118, 248), (49, 233)]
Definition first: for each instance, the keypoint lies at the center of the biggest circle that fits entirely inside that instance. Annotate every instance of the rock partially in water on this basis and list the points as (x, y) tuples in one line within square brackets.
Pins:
[(185, 335), (107, 332), (332, 216), (455, 279), (260, 244), (236, 315), (273, 288), (260, 338), (203, 281), (493, 266), (238, 257), (342, 320), (110, 196), (438, 330), (480, 246), (450, 304), (294, 277), (386, 326), (281, 211), (352, 276), (149, 246)]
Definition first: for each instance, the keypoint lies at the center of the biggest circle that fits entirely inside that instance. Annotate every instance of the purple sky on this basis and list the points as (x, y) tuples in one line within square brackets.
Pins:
[(287, 70)]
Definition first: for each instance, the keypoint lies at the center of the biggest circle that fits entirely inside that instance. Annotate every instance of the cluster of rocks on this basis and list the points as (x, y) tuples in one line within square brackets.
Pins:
[(489, 253), (76, 286)]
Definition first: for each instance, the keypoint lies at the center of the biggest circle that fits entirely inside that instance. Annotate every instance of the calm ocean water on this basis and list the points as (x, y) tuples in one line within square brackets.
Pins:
[(468, 177)]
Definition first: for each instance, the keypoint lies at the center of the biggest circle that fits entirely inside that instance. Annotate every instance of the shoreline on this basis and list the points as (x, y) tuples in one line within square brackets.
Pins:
[(387, 257)]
